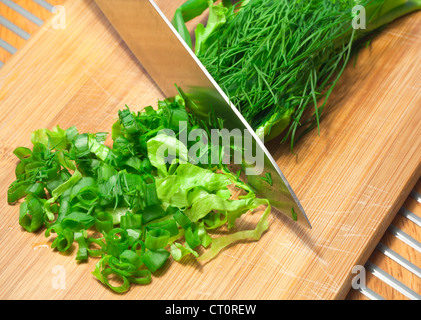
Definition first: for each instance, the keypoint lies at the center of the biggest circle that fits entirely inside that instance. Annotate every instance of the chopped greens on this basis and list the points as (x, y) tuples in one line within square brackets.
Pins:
[(124, 205)]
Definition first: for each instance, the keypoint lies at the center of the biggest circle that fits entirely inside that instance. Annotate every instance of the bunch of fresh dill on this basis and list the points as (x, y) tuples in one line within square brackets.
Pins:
[(279, 60)]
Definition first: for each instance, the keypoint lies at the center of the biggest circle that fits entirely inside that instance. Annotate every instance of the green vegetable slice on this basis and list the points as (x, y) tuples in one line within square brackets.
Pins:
[(154, 260), (178, 251), (125, 286), (217, 17), (221, 242), (131, 221), (82, 253), (169, 225), (103, 221), (116, 241), (156, 239), (31, 213), (141, 277)]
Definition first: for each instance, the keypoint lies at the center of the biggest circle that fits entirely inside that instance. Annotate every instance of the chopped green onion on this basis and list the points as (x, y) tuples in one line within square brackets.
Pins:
[(134, 236), (31, 213), (140, 277), (154, 260), (169, 225), (82, 253), (116, 241), (152, 213), (119, 289), (64, 240), (131, 221), (182, 219), (76, 221), (156, 239), (131, 257), (192, 236), (103, 221), (96, 252)]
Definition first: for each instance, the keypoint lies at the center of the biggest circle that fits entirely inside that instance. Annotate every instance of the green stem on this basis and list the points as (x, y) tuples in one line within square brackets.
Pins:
[(393, 14)]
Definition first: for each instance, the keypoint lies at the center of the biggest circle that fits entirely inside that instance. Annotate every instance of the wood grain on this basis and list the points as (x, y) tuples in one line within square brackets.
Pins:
[(385, 263), (351, 180), (22, 22)]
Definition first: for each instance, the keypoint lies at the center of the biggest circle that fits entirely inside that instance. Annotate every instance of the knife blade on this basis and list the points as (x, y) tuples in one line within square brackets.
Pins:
[(173, 66)]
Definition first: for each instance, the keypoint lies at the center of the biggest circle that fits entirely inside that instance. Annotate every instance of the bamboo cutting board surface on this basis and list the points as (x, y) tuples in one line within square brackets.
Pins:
[(351, 180)]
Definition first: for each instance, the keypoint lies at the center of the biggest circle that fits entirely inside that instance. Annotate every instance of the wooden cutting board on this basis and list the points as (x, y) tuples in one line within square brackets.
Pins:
[(351, 179)]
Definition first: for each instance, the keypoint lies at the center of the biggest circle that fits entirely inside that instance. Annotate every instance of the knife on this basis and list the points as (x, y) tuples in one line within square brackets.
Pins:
[(176, 70)]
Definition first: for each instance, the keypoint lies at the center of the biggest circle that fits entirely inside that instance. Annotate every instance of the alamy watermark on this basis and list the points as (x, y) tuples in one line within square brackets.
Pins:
[(359, 18), (359, 280), (59, 279), (216, 146), (58, 21)]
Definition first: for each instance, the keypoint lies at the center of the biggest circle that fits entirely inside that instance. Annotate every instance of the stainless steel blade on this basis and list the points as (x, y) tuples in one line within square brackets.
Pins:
[(170, 62)]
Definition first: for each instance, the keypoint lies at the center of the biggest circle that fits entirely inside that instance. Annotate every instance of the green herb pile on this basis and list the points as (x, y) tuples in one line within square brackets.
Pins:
[(125, 205), (278, 60)]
